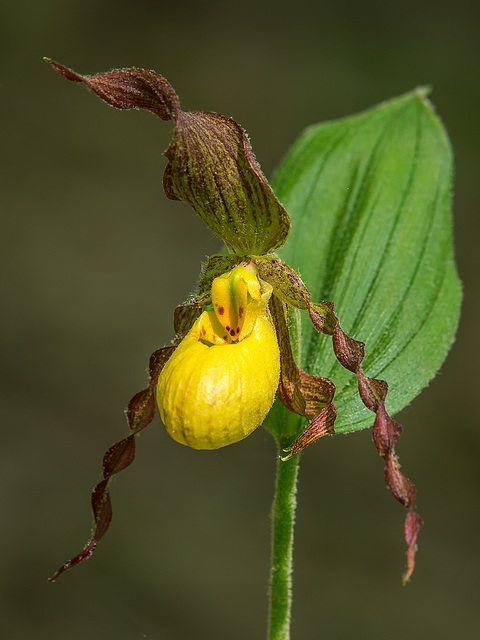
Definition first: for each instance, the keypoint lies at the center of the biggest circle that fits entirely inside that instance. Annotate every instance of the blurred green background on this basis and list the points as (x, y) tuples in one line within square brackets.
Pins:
[(95, 259)]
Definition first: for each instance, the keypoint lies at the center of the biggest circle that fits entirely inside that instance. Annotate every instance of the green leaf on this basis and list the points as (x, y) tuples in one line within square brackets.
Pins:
[(369, 197)]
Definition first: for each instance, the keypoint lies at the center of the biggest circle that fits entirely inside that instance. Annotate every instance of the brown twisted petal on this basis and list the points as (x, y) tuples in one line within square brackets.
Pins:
[(307, 395), (140, 412), (317, 391), (322, 317), (385, 434), (321, 425), (288, 391)]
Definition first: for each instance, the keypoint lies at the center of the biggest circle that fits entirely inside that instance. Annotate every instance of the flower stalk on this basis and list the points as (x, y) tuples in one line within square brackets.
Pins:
[(283, 523)]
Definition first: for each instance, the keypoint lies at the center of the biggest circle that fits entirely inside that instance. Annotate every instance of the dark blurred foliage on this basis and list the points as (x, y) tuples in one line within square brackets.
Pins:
[(95, 258)]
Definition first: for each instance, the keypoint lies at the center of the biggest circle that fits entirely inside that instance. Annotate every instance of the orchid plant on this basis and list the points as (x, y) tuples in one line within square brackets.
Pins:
[(369, 197)]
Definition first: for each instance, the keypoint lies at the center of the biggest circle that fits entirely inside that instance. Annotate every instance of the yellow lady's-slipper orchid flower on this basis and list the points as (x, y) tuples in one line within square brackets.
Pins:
[(220, 383), (216, 385)]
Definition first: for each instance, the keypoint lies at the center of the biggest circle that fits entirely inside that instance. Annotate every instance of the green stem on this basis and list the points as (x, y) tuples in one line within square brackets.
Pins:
[(283, 516)]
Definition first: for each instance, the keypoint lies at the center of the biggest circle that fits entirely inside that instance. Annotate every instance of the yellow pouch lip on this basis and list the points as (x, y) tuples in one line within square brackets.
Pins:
[(212, 396)]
